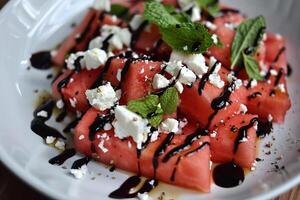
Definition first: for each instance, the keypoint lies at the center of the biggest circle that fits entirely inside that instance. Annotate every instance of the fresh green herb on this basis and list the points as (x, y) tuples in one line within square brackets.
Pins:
[(187, 37), (211, 6), (249, 33), (153, 107), (145, 106), (118, 10), (155, 120), (177, 30), (169, 100), (251, 67)]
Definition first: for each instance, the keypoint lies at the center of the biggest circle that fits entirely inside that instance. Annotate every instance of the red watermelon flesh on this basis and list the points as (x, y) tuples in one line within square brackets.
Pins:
[(222, 146), (198, 107), (137, 83), (267, 103), (193, 171)]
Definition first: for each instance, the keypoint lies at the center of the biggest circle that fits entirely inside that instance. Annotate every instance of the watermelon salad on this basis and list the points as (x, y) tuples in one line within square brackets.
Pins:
[(164, 89)]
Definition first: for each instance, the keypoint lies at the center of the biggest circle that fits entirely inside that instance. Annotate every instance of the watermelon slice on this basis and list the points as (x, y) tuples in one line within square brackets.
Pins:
[(79, 39), (225, 146), (197, 106), (193, 171), (137, 82), (269, 100)]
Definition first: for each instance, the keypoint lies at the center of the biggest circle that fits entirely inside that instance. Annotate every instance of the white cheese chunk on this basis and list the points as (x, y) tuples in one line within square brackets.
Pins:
[(173, 68), (60, 104), (61, 145), (136, 22), (281, 87), (95, 58), (101, 146), (215, 39), (243, 109), (102, 5), (79, 173), (186, 4), (195, 62), (103, 97), (42, 113), (253, 83), (179, 87), (196, 14), (121, 36), (170, 125), (129, 124), (187, 76), (97, 42), (159, 81), (50, 139), (72, 58), (215, 79), (210, 25)]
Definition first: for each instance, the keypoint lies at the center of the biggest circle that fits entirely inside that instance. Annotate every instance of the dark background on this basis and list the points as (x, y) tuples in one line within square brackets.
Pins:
[(12, 188)]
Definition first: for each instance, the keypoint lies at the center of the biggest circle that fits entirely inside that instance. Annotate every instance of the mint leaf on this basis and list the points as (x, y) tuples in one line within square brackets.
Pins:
[(248, 34), (144, 106), (118, 10), (169, 100), (211, 6), (155, 120), (187, 37), (177, 30), (251, 67), (159, 14)]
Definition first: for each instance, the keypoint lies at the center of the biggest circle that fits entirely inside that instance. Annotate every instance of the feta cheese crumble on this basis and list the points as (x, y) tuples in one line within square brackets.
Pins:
[(143, 196), (61, 145), (214, 37), (79, 173), (121, 36), (94, 58), (128, 123), (169, 125), (215, 79), (243, 109), (195, 62), (101, 146), (187, 76), (136, 22), (60, 104), (50, 140), (72, 58), (42, 113), (159, 81), (103, 97), (281, 87), (102, 5), (196, 14), (179, 87)]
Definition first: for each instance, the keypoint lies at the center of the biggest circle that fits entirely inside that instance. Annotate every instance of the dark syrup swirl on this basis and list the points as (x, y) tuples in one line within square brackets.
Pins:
[(80, 162), (228, 175), (41, 60), (61, 158), (124, 191), (205, 77)]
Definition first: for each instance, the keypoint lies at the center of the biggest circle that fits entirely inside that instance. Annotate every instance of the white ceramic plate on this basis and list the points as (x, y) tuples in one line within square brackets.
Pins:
[(27, 26)]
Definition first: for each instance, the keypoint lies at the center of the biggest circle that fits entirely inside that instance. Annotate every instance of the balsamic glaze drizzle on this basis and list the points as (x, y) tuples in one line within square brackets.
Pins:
[(280, 52), (47, 107), (254, 95), (62, 115), (124, 191), (243, 133), (187, 142), (289, 70), (61, 158), (80, 162), (71, 125), (39, 127), (136, 34), (99, 124), (220, 102), (41, 60), (228, 175), (205, 77), (264, 128), (160, 150)]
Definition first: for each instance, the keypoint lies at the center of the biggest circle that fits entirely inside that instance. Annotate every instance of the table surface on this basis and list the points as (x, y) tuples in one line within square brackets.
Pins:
[(9, 183)]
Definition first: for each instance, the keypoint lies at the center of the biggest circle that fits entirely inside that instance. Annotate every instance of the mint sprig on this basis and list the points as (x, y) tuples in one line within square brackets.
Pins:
[(153, 107), (249, 33), (211, 6), (177, 30), (118, 10), (252, 67)]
